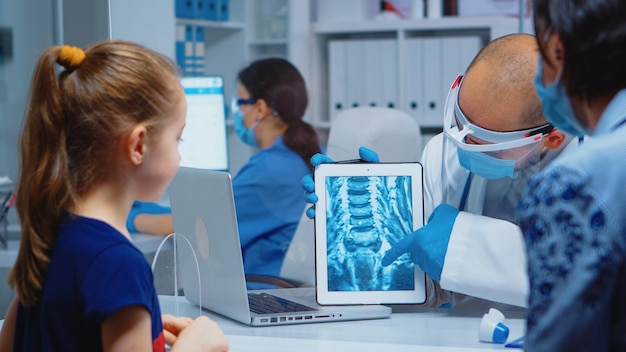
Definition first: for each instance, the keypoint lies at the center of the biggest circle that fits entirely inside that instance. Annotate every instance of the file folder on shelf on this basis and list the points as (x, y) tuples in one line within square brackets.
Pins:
[(224, 8), (210, 11), (336, 77), (188, 55), (199, 51), (388, 49), (412, 62), (180, 46), (433, 87), (184, 8)]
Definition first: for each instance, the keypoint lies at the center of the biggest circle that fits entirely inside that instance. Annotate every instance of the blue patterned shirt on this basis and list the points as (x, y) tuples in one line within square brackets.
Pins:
[(573, 216)]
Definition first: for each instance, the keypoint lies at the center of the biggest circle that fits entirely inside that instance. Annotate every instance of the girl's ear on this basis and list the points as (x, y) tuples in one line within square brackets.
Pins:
[(135, 146), (555, 139)]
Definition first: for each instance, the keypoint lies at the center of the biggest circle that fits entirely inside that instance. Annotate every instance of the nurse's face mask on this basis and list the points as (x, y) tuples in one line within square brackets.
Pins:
[(490, 154), (246, 134)]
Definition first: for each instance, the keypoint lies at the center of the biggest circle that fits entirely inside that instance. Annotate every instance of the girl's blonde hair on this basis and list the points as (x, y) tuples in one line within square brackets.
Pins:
[(70, 137)]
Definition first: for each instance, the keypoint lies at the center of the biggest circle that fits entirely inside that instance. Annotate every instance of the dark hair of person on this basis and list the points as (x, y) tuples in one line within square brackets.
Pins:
[(71, 135), (593, 33), (282, 87)]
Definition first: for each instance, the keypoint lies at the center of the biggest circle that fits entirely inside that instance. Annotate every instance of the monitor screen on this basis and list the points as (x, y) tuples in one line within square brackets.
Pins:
[(204, 143)]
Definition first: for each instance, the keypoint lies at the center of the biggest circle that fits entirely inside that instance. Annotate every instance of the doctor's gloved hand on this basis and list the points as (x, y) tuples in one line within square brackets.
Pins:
[(308, 184), (428, 245)]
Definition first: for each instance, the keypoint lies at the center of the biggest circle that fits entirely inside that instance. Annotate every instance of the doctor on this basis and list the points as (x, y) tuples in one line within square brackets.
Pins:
[(495, 137)]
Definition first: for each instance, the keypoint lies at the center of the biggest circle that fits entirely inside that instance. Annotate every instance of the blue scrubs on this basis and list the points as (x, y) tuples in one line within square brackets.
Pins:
[(270, 201)]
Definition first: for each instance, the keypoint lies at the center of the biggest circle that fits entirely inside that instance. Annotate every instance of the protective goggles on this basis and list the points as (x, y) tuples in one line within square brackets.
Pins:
[(236, 103), (458, 128)]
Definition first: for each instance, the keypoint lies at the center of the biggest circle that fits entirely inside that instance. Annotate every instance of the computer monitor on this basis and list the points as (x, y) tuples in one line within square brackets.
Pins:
[(204, 144)]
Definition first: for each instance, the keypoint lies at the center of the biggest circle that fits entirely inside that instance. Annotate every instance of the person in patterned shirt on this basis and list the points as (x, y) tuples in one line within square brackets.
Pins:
[(573, 213)]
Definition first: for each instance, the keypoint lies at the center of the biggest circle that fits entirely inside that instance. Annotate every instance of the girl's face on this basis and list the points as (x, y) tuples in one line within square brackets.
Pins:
[(162, 159)]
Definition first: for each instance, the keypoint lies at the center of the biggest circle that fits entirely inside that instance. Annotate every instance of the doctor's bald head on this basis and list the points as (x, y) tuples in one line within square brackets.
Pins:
[(497, 91)]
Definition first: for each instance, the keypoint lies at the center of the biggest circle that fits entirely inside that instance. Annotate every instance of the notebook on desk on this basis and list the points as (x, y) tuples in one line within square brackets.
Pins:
[(205, 223)]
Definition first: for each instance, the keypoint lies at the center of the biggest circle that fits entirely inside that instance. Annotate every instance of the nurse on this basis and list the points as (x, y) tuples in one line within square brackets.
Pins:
[(573, 214), (495, 137), (268, 110)]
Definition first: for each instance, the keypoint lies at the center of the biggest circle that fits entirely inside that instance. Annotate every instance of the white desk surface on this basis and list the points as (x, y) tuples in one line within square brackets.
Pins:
[(422, 330), (436, 330)]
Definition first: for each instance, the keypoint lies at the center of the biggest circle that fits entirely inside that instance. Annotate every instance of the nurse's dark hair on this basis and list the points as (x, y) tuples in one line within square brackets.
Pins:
[(281, 86), (81, 104), (593, 33)]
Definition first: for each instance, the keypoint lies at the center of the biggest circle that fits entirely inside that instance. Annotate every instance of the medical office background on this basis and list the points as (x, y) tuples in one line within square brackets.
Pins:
[(349, 52)]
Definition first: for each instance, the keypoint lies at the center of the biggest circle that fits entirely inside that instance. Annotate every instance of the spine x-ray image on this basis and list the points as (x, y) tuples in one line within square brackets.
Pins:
[(365, 217)]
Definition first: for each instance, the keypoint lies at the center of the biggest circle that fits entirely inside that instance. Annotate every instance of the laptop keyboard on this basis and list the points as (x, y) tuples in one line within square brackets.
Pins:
[(265, 303)]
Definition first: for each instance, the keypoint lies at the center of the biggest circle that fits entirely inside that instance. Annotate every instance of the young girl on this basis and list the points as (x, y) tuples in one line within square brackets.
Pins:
[(99, 133)]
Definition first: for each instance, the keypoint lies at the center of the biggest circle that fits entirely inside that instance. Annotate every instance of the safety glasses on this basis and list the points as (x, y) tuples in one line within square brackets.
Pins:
[(458, 128), (236, 103)]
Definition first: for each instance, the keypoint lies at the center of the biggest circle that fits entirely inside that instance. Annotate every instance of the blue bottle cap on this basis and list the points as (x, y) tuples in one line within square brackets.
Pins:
[(500, 333)]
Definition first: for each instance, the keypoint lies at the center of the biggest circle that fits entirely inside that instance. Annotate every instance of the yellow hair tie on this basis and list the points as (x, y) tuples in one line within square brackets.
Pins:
[(70, 56)]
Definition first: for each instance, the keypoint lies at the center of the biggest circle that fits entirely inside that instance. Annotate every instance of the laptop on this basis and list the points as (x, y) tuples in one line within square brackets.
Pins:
[(204, 144), (205, 222)]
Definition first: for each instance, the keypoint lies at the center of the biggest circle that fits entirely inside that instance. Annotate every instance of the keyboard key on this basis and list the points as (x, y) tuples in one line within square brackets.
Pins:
[(265, 303)]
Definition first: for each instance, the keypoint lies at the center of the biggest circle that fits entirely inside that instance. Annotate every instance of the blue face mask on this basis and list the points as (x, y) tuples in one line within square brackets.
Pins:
[(486, 166), (556, 105), (245, 134)]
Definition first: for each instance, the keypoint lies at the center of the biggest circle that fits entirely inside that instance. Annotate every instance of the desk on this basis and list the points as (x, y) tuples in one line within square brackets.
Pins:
[(417, 329)]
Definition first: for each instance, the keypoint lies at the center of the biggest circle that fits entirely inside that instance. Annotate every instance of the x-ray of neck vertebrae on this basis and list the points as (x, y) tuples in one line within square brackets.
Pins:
[(365, 217)]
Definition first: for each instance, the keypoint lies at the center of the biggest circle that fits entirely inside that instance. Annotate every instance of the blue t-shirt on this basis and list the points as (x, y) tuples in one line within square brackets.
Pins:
[(94, 271), (270, 201)]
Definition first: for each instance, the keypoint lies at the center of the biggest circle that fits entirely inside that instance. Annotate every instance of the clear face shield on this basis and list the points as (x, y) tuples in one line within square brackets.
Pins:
[(492, 155)]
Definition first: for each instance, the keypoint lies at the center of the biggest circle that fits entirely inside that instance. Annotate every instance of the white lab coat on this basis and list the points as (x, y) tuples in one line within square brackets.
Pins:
[(486, 257)]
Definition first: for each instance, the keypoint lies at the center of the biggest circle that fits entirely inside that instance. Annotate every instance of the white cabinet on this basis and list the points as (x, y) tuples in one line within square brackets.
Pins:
[(405, 64)]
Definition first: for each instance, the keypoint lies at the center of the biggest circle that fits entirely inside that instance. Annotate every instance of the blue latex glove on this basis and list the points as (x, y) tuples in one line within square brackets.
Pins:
[(365, 154), (428, 245), (144, 208)]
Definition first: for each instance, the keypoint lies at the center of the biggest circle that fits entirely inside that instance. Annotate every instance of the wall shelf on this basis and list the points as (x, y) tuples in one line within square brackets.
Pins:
[(212, 24)]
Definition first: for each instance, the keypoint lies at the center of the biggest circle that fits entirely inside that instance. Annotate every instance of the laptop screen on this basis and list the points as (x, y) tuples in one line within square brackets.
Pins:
[(204, 143)]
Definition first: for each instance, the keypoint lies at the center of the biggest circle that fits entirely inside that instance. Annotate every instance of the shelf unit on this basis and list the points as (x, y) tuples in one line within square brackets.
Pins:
[(401, 32), (255, 30)]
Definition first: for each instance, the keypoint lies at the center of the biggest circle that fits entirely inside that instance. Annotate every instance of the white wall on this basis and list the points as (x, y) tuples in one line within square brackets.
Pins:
[(32, 24), (147, 22)]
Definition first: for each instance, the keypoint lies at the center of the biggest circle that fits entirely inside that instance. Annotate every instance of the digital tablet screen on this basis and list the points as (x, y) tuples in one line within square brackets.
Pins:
[(363, 210)]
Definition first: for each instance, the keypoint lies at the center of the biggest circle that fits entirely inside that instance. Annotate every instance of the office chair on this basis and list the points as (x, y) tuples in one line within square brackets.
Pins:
[(391, 133)]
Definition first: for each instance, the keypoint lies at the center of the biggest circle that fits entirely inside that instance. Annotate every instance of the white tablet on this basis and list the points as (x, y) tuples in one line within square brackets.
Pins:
[(363, 210)]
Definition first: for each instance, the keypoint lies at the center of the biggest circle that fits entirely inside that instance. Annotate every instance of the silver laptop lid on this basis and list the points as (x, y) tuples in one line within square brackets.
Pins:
[(203, 212)]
